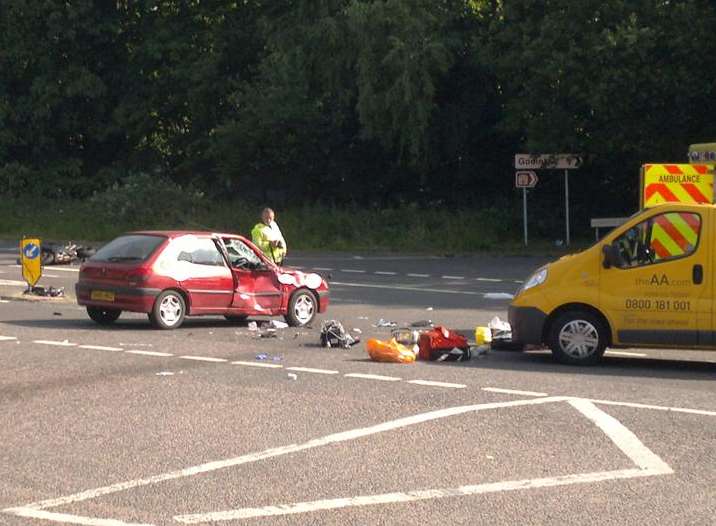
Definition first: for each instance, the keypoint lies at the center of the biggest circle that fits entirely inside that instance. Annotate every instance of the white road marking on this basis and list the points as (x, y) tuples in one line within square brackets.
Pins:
[(61, 269), (513, 391), (453, 277), (259, 364), (334, 438), (352, 271), (322, 268), (101, 348), (12, 283), (53, 342), (625, 353), (4, 301), (68, 519), (7, 338), (149, 353), (311, 370), (385, 273), (401, 287), (497, 296), (203, 358), (373, 377), (656, 407), (412, 275), (648, 464), (490, 280), (437, 384)]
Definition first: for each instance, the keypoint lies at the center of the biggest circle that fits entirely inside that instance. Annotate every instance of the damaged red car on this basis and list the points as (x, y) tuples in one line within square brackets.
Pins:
[(173, 274)]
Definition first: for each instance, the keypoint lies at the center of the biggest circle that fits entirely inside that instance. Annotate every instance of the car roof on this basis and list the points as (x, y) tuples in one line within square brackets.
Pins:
[(179, 233)]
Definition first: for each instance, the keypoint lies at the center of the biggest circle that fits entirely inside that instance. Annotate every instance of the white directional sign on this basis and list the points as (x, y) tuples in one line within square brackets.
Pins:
[(526, 179), (555, 161)]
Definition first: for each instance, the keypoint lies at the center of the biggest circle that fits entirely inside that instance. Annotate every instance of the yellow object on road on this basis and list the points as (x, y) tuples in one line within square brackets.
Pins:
[(483, 335), (30, 260), (389, 351)]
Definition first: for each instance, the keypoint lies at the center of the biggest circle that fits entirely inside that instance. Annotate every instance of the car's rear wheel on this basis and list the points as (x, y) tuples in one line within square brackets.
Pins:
[(102, 315), (302, 308), (169, 310), (578, 338)]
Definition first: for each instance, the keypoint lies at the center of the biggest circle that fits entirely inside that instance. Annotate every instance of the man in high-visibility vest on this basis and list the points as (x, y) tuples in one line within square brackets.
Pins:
[(268, 237)]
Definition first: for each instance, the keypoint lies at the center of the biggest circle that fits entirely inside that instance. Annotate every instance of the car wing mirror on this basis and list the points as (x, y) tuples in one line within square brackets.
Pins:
[(611, 255)]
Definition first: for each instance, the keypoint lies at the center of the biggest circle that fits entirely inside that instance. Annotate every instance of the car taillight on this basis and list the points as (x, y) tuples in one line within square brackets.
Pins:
[(138, 276)]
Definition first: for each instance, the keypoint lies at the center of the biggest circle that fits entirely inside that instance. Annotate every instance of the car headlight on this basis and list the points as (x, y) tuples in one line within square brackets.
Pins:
[(537, 278)]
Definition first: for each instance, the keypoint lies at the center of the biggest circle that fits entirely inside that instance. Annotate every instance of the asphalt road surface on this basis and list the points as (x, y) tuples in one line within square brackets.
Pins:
[(130, 425)]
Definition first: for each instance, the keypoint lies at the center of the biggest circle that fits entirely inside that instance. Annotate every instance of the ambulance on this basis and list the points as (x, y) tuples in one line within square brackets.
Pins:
[(651, 282)]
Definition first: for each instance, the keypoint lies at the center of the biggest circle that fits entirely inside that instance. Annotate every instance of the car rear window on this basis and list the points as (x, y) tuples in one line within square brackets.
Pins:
[(136, 247)]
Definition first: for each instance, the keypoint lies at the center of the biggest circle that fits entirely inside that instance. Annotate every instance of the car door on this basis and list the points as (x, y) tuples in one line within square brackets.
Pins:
[(205, 275), (659, 292), (256, 286)]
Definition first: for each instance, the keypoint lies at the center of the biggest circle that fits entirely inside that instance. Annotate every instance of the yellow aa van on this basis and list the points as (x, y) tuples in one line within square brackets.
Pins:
[(648, 283)]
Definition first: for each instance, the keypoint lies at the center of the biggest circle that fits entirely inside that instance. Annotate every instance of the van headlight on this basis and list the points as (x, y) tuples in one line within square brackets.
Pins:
[(537, 278)]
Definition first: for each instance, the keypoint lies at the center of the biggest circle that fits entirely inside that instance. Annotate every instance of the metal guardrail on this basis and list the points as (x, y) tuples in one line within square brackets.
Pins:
[(606, 222)]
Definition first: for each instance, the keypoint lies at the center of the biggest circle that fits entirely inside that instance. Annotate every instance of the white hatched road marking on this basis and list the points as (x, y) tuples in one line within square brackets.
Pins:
[(385, 273), (648, 464), (437, 384), (352, 271), (149, 353), (12, 283), (311, 370), (413, 275), (259, 364), (61, 269), (513, 391), (323, 268), (53, 342), (68, 519), (101, 348), (489, 280), (453, 277), (4, 301), (7, 338), (203, 358), (637, 405), (373, 377)]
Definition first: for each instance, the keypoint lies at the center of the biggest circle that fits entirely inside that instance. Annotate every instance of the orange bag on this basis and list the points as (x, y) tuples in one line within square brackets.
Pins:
[(390, 351)]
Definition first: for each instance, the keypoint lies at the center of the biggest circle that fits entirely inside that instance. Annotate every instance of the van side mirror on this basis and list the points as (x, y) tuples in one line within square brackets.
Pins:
[(611, 256)]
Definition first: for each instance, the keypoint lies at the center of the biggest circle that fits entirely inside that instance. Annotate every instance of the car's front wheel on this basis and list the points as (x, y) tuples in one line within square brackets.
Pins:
[(578, 338), (103, 316), (302, 308), (169, 310)]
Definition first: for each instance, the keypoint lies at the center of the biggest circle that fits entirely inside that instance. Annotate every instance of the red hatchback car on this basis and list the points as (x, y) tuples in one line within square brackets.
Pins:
[(173, 274)]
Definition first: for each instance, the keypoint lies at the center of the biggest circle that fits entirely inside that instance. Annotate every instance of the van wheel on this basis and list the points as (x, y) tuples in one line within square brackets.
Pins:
[(169, 310), (302, 308), (578, 338), (103, 316)]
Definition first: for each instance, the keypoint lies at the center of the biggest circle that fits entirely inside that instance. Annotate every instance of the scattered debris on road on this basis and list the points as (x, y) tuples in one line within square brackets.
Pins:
[(385, 323), (50, 292), (389, 351), (334, 335)]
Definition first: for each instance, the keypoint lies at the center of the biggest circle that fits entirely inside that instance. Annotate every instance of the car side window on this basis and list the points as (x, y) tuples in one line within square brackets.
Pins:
[(202, 252), (660, 238), (241, 255)]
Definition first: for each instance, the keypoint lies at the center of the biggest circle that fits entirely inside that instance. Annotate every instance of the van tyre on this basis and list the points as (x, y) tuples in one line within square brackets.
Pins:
[(578, 338), (302, 308), (103, 316), (169, 310)]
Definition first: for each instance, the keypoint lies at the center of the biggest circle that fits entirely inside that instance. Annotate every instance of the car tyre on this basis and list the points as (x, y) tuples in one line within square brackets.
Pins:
[(102, 315), (169, 310), (578, 338), (302, 308)]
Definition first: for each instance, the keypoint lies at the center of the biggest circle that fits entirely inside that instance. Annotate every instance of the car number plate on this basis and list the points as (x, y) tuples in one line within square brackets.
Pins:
[(102, 295)]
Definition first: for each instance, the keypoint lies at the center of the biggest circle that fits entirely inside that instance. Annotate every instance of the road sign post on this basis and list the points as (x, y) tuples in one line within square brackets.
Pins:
[(525, 179), (30, 260), (555, 161)]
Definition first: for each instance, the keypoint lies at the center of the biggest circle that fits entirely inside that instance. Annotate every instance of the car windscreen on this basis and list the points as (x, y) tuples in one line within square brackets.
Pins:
[(135, 247)]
